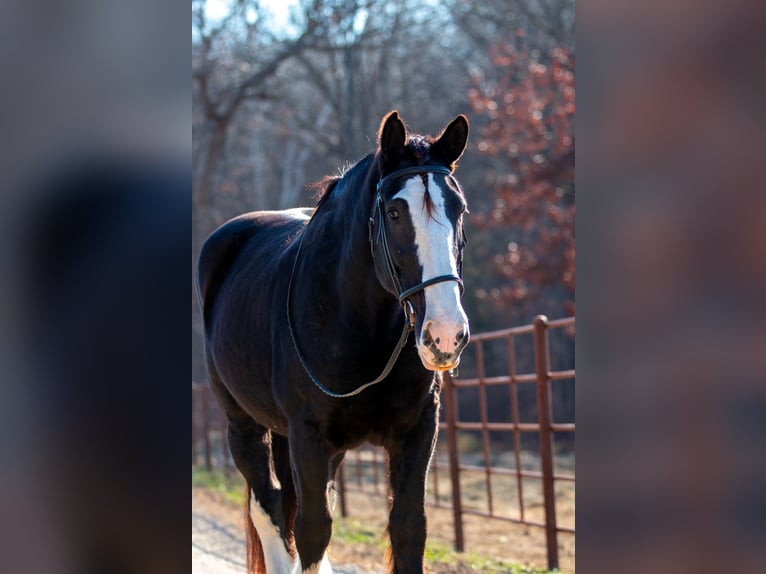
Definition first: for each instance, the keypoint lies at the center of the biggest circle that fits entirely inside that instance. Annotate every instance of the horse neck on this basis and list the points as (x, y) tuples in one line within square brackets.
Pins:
[(349, 275), (355, 256)]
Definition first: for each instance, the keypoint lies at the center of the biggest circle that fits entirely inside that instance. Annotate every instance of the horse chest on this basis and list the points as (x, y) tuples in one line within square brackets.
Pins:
[(378, 419)]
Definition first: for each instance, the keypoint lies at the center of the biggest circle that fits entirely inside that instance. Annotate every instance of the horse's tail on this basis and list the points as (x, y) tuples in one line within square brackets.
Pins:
[(256, 562)]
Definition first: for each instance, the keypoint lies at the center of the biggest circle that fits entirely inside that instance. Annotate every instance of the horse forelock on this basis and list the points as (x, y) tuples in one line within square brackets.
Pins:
[(428, 202), (419, 148), (418, 152)]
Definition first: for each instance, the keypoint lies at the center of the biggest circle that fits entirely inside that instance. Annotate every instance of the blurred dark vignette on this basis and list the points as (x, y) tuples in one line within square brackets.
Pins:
[(94, 237), (671, 349), (671, 337)]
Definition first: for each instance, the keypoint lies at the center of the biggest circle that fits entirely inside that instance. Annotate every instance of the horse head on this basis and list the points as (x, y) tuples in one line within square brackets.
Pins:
[(418, 237)]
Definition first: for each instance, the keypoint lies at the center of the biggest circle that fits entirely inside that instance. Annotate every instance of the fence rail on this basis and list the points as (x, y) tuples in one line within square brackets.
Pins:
[(363, 469)]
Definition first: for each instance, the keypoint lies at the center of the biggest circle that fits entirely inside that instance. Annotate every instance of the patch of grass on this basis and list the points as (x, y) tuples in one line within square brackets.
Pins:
[(437, 553), (352, 531), (232, 488)]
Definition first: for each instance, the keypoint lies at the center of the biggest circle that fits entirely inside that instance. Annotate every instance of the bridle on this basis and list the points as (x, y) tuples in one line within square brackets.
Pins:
[(380, 241)]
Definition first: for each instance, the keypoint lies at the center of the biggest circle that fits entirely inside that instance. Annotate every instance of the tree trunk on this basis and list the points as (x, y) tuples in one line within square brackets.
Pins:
[(204, 195)]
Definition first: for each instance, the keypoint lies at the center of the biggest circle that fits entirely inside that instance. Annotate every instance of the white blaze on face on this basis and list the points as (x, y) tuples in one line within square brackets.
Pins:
[(434, 238)]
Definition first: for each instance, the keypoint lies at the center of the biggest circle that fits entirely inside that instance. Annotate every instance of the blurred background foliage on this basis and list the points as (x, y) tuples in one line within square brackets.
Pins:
[(286, 92)]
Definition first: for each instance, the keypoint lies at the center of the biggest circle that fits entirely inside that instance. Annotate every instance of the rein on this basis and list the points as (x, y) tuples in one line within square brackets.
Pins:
[(402, 294)]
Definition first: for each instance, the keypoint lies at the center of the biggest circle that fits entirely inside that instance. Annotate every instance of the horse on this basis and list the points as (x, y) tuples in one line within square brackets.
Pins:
[(328, 327)]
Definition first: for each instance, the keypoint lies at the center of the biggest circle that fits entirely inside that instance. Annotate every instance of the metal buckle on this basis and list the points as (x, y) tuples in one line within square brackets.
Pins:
[(409, 312)]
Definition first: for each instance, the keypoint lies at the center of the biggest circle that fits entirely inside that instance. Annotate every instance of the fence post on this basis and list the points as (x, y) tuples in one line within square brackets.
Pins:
[(206, 427), (224, 426), (194, 425), (450, 409), (546, 437)]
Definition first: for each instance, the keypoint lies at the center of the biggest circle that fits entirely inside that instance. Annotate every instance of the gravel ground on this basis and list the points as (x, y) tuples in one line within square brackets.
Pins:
[(216, 548)]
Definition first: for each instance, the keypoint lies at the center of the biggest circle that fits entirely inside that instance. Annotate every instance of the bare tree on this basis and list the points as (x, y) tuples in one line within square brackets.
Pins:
[(537, 24), (229, 71)]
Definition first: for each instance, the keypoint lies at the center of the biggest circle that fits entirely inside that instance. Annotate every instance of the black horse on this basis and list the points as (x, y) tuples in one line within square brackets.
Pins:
[(328, 327)]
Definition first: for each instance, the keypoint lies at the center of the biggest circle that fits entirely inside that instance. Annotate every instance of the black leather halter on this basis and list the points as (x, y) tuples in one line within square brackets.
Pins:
[(379, 238)]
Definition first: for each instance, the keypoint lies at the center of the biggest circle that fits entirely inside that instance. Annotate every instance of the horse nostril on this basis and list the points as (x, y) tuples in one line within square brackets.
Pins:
[(460, 336), (437, 340)]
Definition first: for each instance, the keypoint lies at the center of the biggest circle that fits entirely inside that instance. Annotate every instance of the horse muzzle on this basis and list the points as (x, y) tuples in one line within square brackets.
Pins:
[(440, 345)]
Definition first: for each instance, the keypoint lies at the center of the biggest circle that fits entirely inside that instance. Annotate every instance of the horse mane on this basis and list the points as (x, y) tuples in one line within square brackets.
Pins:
[(348, 175)]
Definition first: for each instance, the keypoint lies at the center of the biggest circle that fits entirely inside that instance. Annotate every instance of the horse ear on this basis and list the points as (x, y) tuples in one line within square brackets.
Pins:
[(450, 144), (392, 136)]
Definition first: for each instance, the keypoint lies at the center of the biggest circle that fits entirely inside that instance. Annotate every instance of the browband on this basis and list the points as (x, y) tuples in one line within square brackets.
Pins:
[(414, 169)]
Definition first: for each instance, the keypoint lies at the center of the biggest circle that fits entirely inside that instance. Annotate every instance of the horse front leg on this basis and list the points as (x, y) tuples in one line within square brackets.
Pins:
[(408, 467), (310, 459)]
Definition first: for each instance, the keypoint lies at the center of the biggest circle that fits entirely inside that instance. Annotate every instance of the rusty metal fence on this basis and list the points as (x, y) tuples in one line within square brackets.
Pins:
[(210, 448), (450, 478), (495, 470)]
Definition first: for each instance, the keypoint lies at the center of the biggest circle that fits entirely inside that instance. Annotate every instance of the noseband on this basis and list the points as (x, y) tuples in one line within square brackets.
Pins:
[(379, 238)]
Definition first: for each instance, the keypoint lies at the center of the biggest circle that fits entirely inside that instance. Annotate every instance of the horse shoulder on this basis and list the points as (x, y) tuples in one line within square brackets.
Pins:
[(225, 244)]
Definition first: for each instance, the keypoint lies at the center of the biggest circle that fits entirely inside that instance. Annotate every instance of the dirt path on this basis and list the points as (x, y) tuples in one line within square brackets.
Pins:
[(218, 545), (358, 547)]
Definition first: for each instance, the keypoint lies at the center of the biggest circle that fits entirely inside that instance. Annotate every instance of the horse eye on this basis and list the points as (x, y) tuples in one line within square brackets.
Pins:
[(393, 214)]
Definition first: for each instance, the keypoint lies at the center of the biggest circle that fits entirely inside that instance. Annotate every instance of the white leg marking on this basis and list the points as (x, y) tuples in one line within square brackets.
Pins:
[(278, 561), (323, 567)]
